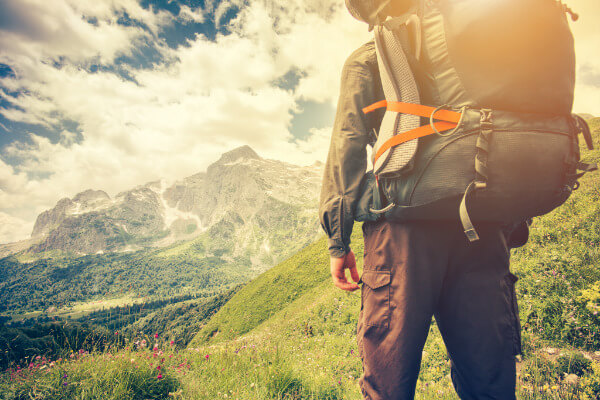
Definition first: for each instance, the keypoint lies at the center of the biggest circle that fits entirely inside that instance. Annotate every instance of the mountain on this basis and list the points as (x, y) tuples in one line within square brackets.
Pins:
[(243, 205)]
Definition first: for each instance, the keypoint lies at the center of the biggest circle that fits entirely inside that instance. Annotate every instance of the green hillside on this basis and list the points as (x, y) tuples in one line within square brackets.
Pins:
[(270, 293), (290, 334), (62, 283)]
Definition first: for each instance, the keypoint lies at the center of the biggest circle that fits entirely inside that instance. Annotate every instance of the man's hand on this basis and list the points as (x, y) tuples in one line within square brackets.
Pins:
[(338, 272)]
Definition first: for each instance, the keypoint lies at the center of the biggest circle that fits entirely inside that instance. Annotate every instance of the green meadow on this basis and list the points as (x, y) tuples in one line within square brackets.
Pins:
[(290, 334)]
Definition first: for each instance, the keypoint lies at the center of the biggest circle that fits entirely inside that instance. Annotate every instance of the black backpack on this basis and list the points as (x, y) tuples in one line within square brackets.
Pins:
[(478, 123)]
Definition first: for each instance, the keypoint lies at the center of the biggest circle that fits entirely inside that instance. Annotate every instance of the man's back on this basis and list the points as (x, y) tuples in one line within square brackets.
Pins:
[(414, 270)]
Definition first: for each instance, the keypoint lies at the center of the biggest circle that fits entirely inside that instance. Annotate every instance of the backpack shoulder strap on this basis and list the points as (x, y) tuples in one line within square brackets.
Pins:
[(399, 85)]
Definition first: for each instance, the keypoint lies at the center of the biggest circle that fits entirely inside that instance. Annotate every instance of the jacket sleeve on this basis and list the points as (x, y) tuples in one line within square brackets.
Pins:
[(347, 159)]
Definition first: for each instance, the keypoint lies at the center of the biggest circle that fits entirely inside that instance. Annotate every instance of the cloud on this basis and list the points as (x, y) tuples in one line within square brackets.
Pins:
[(11, 227), (587, 41), (191, 14), (314, 37), (69, 30)]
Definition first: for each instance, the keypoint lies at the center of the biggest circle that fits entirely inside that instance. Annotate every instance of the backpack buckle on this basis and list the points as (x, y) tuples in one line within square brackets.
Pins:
[(450, 108)]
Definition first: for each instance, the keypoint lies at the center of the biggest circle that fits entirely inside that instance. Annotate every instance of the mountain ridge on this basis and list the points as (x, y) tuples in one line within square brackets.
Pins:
[(157, 214)]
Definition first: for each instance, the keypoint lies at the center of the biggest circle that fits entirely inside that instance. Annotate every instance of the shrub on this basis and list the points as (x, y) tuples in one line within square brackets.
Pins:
[(284, 385), (539, 370), (574, 363), (590, 384)]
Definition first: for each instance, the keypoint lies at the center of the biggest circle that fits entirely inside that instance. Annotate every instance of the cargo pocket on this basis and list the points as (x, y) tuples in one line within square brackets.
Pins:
[(510, 280), (375, 298)]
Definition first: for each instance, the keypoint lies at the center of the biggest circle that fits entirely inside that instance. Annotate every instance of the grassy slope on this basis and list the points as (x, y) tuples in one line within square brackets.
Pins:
[(269, 293)]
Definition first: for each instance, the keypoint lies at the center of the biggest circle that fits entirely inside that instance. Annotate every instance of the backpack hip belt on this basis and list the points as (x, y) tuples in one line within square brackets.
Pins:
[(496, 175)]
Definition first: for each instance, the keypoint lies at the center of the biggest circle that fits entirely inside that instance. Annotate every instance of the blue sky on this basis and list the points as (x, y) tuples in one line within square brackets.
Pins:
[(110, 94)]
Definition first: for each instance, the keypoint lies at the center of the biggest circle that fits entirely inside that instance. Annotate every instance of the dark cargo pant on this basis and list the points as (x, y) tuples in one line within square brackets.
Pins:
[(413, 271)]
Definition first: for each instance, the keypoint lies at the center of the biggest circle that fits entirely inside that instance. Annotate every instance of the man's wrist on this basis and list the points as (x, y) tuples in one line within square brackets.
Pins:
[(337, 249)]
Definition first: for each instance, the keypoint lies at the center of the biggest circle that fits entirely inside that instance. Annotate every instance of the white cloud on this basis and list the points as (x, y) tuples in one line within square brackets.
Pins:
[(191, 14), (587, 42), (11, 227), (43, 30), (314, 37)]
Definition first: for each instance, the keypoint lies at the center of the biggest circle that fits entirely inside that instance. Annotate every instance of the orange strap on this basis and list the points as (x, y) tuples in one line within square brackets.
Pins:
[(414, 109), (412, 134), (449, 120)]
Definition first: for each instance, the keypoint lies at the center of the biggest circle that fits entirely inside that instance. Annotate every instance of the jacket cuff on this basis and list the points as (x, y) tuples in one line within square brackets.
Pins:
[(337, 248)]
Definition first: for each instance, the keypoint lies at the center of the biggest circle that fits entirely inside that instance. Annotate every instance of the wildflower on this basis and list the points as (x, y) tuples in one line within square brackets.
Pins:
[(172, 342), (156, 336), (206, 356), (159, 376)]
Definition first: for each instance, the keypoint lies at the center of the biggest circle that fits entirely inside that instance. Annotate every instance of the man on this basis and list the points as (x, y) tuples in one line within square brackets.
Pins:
[(417, 269)]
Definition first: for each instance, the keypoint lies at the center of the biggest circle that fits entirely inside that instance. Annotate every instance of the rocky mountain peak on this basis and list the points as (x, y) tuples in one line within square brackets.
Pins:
[(240, 205), (90, 196), (243, 152)]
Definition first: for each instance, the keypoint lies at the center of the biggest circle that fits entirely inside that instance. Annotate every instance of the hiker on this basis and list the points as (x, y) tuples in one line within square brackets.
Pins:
[(450, 268)]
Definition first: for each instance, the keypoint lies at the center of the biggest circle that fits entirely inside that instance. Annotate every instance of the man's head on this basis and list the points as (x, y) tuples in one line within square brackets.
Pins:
[(374, 12)]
